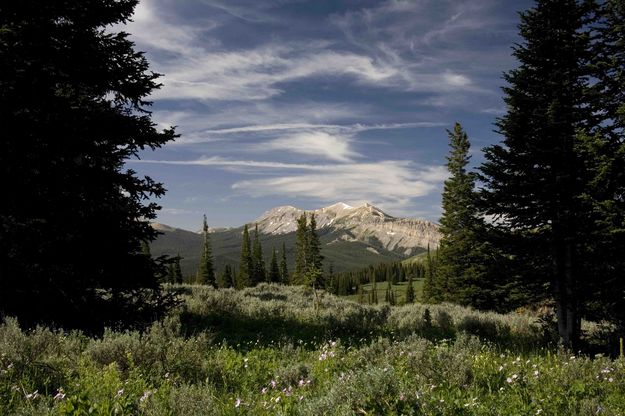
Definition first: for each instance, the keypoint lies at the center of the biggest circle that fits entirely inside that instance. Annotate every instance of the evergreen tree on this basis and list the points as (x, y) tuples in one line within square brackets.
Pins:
[(246, 265), (177, 271), (227, 278), (284, 271), (73, 100), (274, 270), (314, 259), (535, 180), (604, 156), (410, 294), (461, 273), (206, 273), (259, 274), (301, 250), (430, 293)]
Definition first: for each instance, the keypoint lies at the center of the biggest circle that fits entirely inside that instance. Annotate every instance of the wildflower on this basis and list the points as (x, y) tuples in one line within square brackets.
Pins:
[(539, 411), (301, 383), (301, 398), (402, 397), (32, 396), (237, 403), (610, 379), (500, 367), (60, 395), (605, 370), (536, 373), (515, 376), (278, 399), (509, 380), (119, 393), (264, 390), (146, 395), (273, 384)]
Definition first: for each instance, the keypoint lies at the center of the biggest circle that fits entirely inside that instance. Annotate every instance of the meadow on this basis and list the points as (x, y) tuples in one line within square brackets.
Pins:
[(276, 350)]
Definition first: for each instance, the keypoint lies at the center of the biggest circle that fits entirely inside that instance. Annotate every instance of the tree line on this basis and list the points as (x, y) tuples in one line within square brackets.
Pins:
[(252, 269)]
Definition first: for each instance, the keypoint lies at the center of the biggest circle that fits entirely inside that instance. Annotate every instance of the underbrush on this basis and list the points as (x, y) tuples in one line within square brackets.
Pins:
[(273, 350)]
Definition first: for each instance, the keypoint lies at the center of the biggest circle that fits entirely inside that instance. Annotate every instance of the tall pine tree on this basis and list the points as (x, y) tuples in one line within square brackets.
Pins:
[(274, 271), (534, 180), (284, 270), (246, 264), (259, 274), (301, 251), (314, 259), (206, 273), (461, 273), (74, 106)]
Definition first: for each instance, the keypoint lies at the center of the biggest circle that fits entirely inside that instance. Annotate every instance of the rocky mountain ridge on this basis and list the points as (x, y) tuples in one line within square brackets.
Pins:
[(362, 223)]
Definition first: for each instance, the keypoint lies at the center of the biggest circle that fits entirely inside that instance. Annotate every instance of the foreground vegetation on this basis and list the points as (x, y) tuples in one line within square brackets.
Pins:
[(275, 350)]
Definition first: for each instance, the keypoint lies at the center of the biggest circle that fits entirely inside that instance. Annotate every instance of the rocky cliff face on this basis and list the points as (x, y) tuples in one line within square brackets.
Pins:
[(365, 223)]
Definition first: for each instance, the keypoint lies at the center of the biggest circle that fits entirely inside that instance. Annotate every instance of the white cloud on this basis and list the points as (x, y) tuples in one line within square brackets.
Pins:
[(319, 143), (390, 184), (196, 68)]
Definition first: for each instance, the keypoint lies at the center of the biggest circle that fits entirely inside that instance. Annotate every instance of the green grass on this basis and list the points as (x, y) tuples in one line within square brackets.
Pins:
[(399, 289), (273, 350)]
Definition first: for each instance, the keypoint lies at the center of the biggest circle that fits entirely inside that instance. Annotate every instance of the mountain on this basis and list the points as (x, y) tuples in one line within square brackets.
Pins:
[(351, 237), (365, 223)]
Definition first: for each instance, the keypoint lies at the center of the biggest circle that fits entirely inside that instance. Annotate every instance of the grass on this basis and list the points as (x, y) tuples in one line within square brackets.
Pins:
[(270, 351), (399, 289)]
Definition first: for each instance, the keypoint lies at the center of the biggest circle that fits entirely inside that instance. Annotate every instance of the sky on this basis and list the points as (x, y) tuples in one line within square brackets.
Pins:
[(308, 103)]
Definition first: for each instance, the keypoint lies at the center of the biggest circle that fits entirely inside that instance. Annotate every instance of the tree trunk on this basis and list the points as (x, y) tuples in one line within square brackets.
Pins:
[(565, 294)]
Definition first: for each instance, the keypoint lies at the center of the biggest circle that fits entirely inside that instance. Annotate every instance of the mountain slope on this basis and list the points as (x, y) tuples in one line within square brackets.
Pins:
[(351, 237)]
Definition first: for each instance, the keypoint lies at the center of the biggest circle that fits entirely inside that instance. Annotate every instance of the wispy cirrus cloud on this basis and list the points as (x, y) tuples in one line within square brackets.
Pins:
[(392, 184), (198, 69)]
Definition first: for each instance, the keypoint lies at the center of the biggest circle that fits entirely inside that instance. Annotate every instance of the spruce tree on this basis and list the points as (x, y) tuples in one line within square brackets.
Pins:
[(410, 294), (461, 273), (205, 273), (301, 251), (604, 156), (284, 271), (314, 259), (177, 271), (430, 289), (259, 274), (534, 181), (274, 270), (246, 264), (74, 106), (227, 277)]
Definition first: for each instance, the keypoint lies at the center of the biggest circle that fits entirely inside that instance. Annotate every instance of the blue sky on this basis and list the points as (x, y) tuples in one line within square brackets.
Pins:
[(307, 103)]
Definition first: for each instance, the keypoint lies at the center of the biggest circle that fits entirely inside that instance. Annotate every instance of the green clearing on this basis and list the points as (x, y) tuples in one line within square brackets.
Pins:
[(399, 289), (270, 350)]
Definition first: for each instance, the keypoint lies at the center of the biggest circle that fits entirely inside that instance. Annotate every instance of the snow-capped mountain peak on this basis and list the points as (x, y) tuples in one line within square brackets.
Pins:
[(363, 223)]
